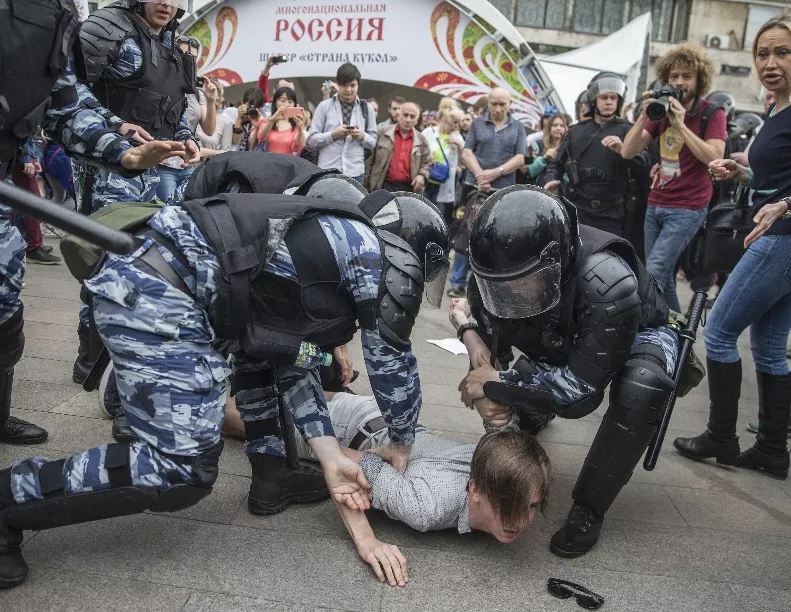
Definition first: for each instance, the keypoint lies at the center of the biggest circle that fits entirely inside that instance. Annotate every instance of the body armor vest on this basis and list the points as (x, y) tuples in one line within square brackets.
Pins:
[(271, 314), (596, 165), (549, 336), (36, 38), (155, 98)]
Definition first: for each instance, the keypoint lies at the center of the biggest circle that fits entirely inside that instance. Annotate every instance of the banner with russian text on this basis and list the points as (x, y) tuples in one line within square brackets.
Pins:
[(428, 44)]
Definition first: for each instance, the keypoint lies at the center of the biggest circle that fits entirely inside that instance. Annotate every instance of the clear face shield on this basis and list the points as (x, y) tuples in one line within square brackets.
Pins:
[(532, 289), (436, 271), (179, 4)]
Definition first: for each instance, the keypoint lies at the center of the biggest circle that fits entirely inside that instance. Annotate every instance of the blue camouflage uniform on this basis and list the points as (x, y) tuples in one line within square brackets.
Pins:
[(171, 368), (109, 187), (567, 388), (72, 126)]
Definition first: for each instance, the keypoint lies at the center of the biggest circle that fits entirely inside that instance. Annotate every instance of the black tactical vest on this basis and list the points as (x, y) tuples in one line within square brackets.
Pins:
[(549, 337), (155, 98), (598, 168), (270, 314), (36, 37)]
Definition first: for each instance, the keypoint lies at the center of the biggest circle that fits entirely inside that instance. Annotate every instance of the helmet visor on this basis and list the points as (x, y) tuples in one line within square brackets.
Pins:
[(609, 84), (523, 297), (436, 271)]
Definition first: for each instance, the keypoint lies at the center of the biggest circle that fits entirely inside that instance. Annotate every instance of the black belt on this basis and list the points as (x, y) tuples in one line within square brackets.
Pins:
[(153, 261), (371, 427), (598, 204)]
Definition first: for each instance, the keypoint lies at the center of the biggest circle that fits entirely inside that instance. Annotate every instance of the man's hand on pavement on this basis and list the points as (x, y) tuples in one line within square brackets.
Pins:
[(152, 154), (386, 560)]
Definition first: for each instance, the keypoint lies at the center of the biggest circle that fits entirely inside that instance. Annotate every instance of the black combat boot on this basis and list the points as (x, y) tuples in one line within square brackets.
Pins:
[(122, 432), (770, 452), (579, 534), (719, 441), (87, 352), (12, 429), (109, 397), (13, 569), (276, 484)]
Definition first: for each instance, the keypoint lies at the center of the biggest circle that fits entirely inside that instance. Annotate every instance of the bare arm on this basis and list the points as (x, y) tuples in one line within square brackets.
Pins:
[(637, 139), (471, 162)]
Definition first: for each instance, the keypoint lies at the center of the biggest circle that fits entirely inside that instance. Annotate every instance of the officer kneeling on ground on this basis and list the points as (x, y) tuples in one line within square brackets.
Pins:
[(257, 276), (584, 311)]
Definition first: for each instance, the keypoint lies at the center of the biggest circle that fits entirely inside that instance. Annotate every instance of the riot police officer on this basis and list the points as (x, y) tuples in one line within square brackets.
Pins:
[(599, 181), (584, 311), (38, 88), (256, 276), (135, 71)]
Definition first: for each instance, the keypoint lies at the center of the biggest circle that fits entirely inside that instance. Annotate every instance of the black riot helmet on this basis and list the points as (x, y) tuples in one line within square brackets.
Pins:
[(746, 125), (182, 6), (333, 186), (606, 82), (417, 221), (725, 101), (522, 248)]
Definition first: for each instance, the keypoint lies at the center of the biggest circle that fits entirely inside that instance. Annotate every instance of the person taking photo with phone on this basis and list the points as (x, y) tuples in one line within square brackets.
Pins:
[(284, 131)]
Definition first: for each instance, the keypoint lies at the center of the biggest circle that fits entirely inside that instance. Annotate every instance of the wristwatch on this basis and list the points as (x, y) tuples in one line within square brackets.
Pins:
[(463, 328), (787, 214), (501, 170)]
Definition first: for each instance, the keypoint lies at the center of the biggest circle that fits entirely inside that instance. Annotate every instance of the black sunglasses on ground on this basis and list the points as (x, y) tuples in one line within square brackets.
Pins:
[(563, 589)]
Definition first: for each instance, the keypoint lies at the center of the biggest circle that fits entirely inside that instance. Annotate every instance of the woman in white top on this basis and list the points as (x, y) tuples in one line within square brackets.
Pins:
[(445, 143), (221, 140)]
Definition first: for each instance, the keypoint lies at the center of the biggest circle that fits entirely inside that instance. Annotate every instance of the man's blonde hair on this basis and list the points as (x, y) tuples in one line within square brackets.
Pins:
[(508, 468), (687, 55)]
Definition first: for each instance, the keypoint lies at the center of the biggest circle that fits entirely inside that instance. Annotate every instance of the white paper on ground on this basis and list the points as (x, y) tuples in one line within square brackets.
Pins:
[(452, 345)]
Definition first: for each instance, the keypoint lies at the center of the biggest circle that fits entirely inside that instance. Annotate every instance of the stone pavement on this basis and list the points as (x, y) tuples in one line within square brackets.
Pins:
[(687, 536)]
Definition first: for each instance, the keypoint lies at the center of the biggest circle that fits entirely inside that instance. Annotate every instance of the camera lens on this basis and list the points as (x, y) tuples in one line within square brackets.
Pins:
[(657, 110)]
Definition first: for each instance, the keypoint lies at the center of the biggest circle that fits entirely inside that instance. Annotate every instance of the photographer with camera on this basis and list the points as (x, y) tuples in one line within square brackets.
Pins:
[(600, 181), (682, 188), (247, 116)]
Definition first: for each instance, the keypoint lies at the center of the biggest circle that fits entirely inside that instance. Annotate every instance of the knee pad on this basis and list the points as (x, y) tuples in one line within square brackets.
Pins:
[(12, 340), (640, 389)]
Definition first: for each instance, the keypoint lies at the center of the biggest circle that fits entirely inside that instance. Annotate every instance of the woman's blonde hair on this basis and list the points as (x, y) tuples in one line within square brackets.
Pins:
[(445, 105), (447, 118), (220, 92), (783, 21)]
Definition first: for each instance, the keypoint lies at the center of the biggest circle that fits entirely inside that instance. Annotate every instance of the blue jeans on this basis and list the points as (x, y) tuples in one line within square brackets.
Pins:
[(170, 179), (458, 275), (668, 231), (757, 294)]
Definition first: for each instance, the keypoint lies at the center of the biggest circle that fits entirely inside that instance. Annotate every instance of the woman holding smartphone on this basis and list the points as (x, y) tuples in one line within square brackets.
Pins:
[(284, 131)]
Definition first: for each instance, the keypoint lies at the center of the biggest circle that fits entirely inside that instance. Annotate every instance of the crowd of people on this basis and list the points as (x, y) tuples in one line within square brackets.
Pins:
[(259, 266)]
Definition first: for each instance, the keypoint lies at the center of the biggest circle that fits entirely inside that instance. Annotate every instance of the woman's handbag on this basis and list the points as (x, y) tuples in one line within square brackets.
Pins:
[(727, 225), (439, 173)]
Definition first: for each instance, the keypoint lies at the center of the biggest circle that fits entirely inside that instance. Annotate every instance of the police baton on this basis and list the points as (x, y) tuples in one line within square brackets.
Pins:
[(67, 220), (687, 336)]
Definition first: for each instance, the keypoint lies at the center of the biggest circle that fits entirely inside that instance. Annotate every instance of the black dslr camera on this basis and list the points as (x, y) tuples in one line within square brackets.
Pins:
[(660, 107)]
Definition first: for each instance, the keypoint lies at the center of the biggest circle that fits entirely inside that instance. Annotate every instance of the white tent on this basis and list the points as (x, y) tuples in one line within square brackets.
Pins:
[(625, 52)]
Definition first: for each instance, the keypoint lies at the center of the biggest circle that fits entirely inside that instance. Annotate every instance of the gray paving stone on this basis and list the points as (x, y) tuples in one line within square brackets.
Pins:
[(68, 434), (762, 600), (218, 558), (64, 304), (637, 502), (736, 513), (65, 351), (49, 331), (83, 404), (58, 317), (45, 370), (40, 396), (215, 602), (67, 590)]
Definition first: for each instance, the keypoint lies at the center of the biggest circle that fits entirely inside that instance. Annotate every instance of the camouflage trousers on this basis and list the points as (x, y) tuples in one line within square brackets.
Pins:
[(12, 265), (172, 382)]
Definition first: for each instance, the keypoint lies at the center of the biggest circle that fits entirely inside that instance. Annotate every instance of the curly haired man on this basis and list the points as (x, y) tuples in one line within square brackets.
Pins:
[(690, 137)]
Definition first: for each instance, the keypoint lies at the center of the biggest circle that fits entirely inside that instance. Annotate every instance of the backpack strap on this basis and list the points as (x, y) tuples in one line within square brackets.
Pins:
[(707, 114)]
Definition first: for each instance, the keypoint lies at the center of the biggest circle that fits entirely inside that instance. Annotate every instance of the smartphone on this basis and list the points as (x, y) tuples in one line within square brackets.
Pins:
[(200, 81), (292, 112), (350, 127), (279, 59)]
